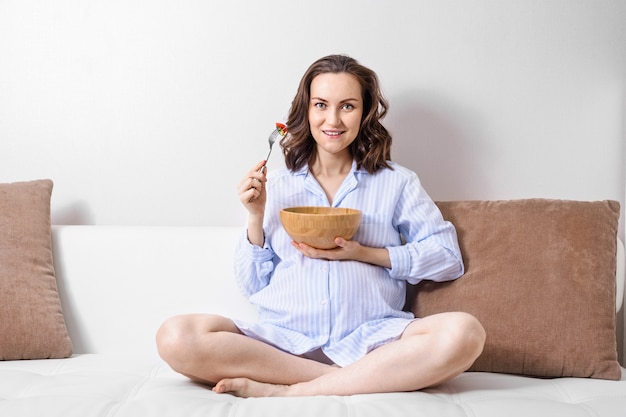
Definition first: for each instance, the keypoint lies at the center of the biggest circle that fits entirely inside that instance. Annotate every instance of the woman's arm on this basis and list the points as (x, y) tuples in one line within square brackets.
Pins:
[(398, 205), (253, 261)]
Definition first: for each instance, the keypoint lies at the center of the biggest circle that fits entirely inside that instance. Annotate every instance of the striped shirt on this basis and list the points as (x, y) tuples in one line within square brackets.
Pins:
[(346, 308)]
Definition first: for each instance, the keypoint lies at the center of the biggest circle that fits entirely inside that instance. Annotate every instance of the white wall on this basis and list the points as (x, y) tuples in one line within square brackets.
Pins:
[(149, 112)]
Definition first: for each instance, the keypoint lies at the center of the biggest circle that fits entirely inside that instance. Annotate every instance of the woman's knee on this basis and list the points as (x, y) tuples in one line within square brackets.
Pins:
[(455, 335), (170, 336), (467, 335), (179, 336)]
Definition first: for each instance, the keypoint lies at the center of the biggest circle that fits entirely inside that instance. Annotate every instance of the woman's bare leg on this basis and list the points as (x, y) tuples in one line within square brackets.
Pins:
[(431, 350), (209, 348)]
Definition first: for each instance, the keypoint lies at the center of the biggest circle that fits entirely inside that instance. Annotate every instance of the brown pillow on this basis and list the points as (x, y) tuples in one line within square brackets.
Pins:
[(540, 276), (31, 320)]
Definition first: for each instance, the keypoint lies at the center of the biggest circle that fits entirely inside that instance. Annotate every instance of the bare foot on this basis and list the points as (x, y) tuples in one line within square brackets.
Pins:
[(244, 387)]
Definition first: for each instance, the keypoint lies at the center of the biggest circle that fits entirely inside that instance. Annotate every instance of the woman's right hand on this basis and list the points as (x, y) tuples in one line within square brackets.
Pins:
[(252, 195), (252, 190)]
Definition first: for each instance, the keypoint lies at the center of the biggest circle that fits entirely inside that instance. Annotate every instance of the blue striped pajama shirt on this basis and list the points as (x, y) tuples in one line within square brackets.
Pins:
[(346, 308)]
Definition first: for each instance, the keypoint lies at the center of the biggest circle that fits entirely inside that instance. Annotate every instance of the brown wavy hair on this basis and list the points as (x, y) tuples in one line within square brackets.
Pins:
[(372, 147)]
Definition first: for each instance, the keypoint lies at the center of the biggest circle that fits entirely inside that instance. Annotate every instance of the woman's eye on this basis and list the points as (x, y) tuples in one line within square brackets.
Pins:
[(348, 107), (320, 105)]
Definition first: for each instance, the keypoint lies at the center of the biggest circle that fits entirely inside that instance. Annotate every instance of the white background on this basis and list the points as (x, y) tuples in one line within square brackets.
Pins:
[(149, 112)]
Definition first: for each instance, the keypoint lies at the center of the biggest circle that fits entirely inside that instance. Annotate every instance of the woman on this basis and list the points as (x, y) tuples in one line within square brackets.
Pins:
[(331, 321)]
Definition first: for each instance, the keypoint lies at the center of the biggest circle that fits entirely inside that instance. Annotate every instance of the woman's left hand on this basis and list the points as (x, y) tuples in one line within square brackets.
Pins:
[(347, 250)]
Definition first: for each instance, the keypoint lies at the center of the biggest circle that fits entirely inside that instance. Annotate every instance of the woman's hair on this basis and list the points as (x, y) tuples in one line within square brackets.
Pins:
[(372, 147)]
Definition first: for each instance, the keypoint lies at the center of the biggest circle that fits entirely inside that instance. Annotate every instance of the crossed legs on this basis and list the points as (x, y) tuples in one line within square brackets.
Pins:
[(210, 349)]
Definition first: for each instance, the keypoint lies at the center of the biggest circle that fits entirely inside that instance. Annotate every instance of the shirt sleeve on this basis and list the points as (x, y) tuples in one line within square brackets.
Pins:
[(431, 251), (253, 266)]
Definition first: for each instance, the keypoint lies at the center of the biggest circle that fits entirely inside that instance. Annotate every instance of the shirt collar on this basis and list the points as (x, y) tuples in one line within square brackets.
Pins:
[(349, 184), (353, 171)]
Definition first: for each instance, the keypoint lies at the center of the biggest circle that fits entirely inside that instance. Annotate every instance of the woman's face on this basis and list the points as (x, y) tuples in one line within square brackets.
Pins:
[(335, 111)]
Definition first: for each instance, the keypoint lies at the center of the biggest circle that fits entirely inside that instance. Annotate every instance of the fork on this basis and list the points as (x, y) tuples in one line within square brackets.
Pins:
[(279, 132)]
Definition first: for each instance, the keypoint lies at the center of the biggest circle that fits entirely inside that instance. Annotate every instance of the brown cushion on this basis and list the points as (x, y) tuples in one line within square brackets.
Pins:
[(540, 276), (31, 320)]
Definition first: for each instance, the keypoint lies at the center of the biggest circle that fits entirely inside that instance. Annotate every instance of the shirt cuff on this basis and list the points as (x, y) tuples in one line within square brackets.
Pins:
[(253, 252), (400, 262)]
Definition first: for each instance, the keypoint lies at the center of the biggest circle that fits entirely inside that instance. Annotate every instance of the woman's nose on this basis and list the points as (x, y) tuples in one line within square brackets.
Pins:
[(333, 118)]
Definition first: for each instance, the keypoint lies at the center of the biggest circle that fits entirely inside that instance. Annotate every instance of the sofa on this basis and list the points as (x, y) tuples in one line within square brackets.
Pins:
[(79, 340)]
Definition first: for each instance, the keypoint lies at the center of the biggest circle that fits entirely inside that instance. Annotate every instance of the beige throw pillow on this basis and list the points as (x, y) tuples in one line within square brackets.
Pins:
[(540, 276), (31, 320)]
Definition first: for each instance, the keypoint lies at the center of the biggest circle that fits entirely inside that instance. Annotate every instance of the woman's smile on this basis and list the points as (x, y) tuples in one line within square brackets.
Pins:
[(333, 133)]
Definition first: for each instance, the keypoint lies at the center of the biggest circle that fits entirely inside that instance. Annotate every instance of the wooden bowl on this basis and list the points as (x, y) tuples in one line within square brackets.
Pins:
[(319, 226)]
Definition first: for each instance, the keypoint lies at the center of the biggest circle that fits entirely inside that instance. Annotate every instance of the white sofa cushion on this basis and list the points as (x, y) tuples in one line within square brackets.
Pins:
[(119, 283), (99, 385)]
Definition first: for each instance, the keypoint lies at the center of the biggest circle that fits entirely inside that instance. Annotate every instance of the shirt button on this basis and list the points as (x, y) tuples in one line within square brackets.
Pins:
[(324, 302)]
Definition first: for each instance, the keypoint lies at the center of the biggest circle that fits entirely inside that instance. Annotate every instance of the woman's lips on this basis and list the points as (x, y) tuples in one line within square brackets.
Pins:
[(333, 133)]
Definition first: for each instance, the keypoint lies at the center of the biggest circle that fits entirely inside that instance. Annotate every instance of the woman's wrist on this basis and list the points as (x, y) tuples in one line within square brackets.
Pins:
[(375, 256), (256, 236)]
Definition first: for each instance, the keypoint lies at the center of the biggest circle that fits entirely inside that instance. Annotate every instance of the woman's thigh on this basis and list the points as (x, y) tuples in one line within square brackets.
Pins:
[(194, 324)]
